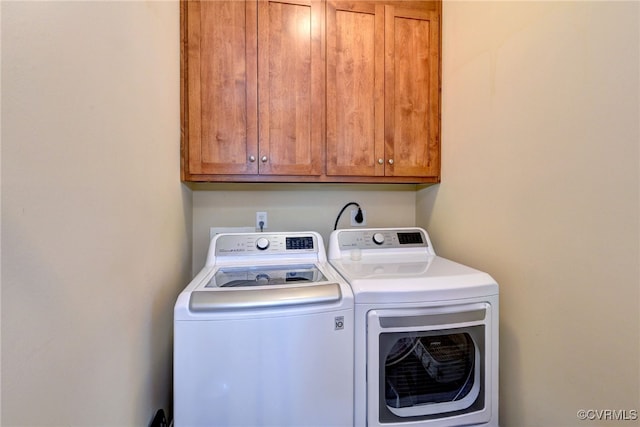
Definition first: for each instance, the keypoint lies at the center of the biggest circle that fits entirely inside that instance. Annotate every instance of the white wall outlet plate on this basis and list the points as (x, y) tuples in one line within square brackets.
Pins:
[(355, 223), (261, 217)]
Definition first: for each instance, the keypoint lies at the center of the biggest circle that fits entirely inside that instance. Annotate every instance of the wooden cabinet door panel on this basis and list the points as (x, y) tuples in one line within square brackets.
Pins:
[(291, 87), (222, 87), (355, 88), (411, 92)]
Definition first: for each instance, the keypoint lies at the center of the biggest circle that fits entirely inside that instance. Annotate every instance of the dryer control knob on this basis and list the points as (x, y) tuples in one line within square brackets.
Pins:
[(378, 238), (262, 243)]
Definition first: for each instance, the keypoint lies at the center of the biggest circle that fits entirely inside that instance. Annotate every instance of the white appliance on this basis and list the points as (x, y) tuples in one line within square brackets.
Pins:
[(426, 331), (263, 336)]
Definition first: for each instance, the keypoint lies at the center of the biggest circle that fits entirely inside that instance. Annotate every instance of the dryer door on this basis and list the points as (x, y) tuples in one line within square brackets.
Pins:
[(427, 365)]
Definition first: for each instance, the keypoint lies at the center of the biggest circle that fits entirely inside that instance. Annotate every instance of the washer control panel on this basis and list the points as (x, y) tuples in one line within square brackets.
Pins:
[(264, 243), (381, 239)]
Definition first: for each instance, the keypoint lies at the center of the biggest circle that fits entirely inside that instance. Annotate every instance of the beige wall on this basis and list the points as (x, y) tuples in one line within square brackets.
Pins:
[(541, 189), (96, 225), (540, 164), (300, 207)]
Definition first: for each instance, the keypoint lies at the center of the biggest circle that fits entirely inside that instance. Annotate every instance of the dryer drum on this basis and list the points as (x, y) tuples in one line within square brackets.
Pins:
[(400, 350), (429, 369), (446, 358)]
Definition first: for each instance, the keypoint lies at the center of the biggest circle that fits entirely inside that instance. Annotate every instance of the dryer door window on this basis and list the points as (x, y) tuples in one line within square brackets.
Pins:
[(428, 364), (430, 372)]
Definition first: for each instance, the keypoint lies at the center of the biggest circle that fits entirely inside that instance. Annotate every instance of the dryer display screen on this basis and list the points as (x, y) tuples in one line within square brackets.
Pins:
[(410, 238)]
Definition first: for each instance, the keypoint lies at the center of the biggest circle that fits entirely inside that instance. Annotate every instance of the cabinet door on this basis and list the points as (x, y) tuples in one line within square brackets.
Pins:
[(412, 92), (291, 87), (355, 88), (220, 100)]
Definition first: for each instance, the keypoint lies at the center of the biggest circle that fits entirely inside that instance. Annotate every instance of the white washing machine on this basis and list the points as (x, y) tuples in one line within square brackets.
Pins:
[(263, 336), (426, 331)]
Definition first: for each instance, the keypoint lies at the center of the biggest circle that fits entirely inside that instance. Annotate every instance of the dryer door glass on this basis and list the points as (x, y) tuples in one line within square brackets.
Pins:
[(431, 372)]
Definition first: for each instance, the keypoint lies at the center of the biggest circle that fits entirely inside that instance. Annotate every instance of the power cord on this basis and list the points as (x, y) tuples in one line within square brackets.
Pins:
[(359, 217), (160, 420)]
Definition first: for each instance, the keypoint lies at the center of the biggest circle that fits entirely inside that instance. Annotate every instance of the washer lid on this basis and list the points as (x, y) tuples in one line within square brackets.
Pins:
[(269, 275)]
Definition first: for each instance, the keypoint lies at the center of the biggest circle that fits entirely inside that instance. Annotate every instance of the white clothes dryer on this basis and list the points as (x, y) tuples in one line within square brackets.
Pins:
[(263, 336), (426, 331)]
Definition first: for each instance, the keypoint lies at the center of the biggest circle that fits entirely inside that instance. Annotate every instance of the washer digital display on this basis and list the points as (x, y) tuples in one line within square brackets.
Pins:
[(299, 243)]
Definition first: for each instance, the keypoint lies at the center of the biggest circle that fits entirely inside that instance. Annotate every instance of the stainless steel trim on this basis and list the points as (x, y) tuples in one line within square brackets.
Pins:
[(245, 299)]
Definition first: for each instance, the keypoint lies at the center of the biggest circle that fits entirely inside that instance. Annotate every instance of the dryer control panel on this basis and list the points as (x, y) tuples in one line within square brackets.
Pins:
[(382, 238)]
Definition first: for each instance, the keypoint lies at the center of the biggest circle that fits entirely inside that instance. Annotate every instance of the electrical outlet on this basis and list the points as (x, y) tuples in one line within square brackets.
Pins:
[(261, 217), (355, 223)]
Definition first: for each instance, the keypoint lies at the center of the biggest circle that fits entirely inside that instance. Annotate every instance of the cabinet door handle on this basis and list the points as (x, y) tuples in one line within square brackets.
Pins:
[(380, 161), (390, 161), (264, 159), (252, 159)]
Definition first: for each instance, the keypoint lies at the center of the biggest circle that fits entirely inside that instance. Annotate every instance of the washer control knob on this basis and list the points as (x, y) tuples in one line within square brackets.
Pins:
[(378, 238), (262, 243)]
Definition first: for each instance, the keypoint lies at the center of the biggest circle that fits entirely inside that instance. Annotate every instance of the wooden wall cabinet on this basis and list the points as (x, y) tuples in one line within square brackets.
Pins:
[(383, 89), (310, 91), (252, 95)]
